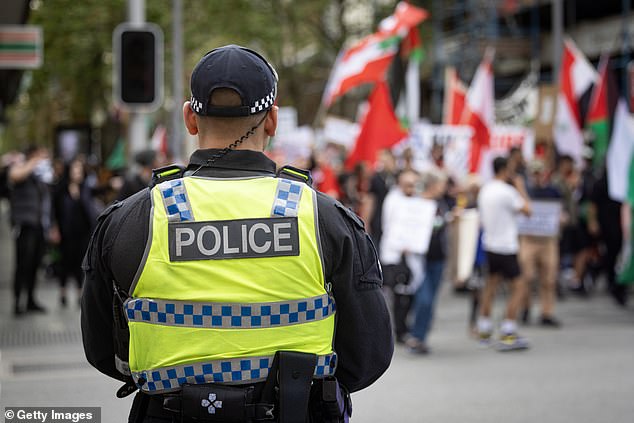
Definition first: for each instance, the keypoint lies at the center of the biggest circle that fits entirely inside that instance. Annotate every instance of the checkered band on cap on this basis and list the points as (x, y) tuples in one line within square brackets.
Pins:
[(229, 315), (175, 200), (264, 103), (227, 371), (287, 198), (196, 105)]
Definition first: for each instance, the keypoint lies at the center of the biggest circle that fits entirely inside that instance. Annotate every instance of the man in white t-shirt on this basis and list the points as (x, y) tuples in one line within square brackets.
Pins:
[(499, 202)]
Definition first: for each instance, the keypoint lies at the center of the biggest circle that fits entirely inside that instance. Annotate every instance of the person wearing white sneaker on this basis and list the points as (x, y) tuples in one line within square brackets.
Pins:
[(499, 202)]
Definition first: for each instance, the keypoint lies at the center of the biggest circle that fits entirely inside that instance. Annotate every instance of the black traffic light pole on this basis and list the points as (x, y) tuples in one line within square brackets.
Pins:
[(138, 72), (137, 130)]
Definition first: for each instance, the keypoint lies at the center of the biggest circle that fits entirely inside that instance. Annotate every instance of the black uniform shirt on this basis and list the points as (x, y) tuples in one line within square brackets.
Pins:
[(363, 334)]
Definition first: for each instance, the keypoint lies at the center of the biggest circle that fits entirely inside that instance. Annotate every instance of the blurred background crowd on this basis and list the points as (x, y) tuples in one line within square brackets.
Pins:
[(372, 102), (421, 222)]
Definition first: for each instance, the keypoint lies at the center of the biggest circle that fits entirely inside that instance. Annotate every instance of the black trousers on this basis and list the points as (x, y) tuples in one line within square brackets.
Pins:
[(29, 250), (402, 305)]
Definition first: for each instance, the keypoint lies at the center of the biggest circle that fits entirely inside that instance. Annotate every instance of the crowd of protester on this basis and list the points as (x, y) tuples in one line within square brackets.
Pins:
[(411, 216), (582, 256), (53, 208)]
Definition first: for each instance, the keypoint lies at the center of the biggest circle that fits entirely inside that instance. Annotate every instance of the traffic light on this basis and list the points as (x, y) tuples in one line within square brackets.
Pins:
[(138, 76)]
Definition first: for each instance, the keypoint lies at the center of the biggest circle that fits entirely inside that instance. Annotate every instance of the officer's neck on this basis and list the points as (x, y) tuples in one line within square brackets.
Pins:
[(248, 144)]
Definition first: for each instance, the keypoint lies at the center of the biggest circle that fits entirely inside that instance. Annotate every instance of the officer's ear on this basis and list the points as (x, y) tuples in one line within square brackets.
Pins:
[(270, 123), (190, 119)]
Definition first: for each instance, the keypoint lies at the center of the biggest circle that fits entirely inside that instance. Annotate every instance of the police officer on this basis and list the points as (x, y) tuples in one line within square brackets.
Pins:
[(234, 292)]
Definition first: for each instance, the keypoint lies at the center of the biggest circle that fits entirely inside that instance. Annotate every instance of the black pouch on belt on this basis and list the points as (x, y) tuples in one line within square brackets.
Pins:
[(217, 403)]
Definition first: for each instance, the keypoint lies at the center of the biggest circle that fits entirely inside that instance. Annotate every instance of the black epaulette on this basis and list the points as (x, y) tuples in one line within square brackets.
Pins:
[(295, 174), (166, 173)]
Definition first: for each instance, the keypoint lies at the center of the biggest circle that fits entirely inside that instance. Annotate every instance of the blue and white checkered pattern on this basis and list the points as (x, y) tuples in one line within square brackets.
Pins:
[(287, 198), (229, 371), (229, 315), (177, 205)]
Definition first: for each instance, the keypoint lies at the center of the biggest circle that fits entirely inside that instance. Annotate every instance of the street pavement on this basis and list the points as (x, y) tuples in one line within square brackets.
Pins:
[(583, 372)]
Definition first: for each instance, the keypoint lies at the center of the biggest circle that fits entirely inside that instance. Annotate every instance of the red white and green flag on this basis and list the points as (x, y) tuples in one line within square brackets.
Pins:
[(601, 110), (598, 119), (368, 60), (575, 78), (404, 18), (412, 50)]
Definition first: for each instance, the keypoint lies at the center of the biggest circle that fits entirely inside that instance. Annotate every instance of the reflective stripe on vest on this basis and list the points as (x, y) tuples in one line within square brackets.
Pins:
[(175, 199), (232, 273), (228, 316), (237, 370), (287, 197)]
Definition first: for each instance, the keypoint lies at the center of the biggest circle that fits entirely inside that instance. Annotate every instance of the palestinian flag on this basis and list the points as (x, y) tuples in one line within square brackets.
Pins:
[(602, 106), (626, 276)]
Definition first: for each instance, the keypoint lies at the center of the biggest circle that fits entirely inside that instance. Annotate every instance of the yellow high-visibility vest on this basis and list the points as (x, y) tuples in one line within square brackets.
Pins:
[(232, 273)]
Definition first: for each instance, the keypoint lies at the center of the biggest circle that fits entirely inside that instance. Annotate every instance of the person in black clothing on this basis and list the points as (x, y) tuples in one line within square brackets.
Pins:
[(75, 216), (380, 184), (146, 160), (31, 217), (603, 221), (363, 340)]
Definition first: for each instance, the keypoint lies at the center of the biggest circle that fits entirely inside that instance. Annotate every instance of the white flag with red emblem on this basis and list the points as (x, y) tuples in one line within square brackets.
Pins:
[(479, 111), (455, 97)]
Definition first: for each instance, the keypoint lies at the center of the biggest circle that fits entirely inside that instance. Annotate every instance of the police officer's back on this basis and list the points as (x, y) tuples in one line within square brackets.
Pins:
[(225, 273)]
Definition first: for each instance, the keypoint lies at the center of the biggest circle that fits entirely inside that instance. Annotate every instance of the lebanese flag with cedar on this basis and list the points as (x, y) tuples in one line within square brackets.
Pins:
[(455, 97), (404, 18), (479, 111), (368, 60), (380, 128), (575, 78)]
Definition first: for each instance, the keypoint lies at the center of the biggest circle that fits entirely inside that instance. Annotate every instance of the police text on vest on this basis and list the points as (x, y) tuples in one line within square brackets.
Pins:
[(228, 239)]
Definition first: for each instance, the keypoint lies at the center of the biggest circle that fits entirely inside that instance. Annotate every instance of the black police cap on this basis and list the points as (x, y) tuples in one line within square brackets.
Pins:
[(240, 69)]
